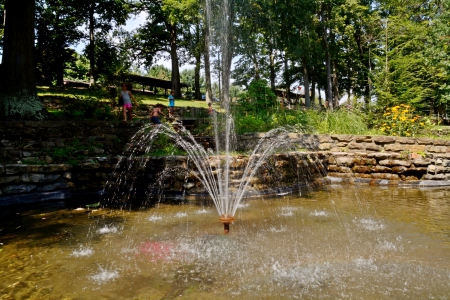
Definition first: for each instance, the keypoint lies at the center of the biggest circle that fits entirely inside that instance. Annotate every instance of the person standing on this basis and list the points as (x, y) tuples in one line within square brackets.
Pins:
[(171, 103), (127, 96)]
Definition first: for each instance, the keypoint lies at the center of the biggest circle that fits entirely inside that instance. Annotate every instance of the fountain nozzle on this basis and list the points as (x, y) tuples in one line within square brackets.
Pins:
[(226, 220)]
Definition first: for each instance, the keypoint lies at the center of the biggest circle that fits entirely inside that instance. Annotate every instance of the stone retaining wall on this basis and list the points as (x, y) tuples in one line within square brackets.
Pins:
[(144, 176), (369, 159)]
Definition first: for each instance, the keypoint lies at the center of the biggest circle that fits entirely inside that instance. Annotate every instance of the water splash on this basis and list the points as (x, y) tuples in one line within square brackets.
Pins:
[(370, 224), (83, 252), (105, 275), (108, 229), (155, 218), (319, 213), (181, 215)]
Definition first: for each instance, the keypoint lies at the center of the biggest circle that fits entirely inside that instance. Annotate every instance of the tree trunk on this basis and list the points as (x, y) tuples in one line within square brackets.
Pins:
[(366, 63), (18, 97), (349, 82), (335, 86), (18, 66), (306, 83), (175, 64), (287, 79), (313, 90), (320, 97), (328, 88), (207, 57), (272, 65), (197, 93), (92, 75)]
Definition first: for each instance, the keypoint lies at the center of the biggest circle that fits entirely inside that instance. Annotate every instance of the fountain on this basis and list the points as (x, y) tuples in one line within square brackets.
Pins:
[(212, 166)]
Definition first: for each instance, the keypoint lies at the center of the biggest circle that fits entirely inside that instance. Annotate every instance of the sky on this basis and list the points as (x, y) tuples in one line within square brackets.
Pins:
[(133, 23)]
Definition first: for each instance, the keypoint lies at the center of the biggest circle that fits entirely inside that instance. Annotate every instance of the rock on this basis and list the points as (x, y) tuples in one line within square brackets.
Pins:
[(188, 185), (324, 139), (394, 148), (406, 140), (356, 146), (325, 146), (384, 139), (432, 169), (340, 175), (39, 178), (53, 186), (381, 169), (67, 175), (440, 143), (364, 139), (384, 155), (9, 179), (2, 169), (425, 141), (385, 176), (439, 162), (422, 162), (365, 161), (48, 159), (373, 147), (99, 151), (395, 162), (334, 168), (19, 189), (435, 177), (90, 166), (343, 137), (48, 144), (59, 143), (26, 154), (346, 161), (437, 149), (362, 169), (399, 169), (16, 169), (409, 178)]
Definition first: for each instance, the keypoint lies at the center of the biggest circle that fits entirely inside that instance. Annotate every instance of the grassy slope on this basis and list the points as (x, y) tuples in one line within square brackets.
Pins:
[(100, 95)]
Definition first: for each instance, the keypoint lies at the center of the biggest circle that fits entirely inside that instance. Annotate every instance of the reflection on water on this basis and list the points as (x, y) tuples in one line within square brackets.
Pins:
[(362, 243)]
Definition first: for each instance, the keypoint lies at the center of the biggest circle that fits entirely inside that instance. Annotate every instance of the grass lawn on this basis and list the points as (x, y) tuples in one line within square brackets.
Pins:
[(101, 95)]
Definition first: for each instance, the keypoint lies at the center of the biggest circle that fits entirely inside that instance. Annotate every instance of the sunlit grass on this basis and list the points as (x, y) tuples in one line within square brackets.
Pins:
[(144, 98)]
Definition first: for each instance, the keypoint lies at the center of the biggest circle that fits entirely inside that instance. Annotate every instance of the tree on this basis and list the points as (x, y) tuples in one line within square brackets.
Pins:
[(57, 26), (100, 16), (160, 72), (18, 86)]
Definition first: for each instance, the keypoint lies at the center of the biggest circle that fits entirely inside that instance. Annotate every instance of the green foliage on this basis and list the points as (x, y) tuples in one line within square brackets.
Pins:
[(73, 152), (402, 120), (337, 122), (259, 98), (88, 109), (22, 107), (164, 146)]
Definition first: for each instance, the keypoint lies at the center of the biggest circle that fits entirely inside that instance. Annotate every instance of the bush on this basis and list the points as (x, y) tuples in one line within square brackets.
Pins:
[(401, 120), (337, 122), (88, 109), (259, 98)]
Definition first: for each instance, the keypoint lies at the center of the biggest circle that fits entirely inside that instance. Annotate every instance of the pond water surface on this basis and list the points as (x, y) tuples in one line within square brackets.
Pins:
[(338, 243)]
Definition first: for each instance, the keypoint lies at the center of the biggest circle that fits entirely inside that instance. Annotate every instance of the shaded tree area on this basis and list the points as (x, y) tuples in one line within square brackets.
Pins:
[(385, 52)]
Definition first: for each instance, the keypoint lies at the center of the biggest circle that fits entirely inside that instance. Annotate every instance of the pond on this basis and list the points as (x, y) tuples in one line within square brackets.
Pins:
[(339, 242)]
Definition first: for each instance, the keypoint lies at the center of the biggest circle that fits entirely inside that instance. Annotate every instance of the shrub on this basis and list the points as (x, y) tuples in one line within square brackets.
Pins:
[(401, 120), (337, 122), (87, 109), (259, 98)]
